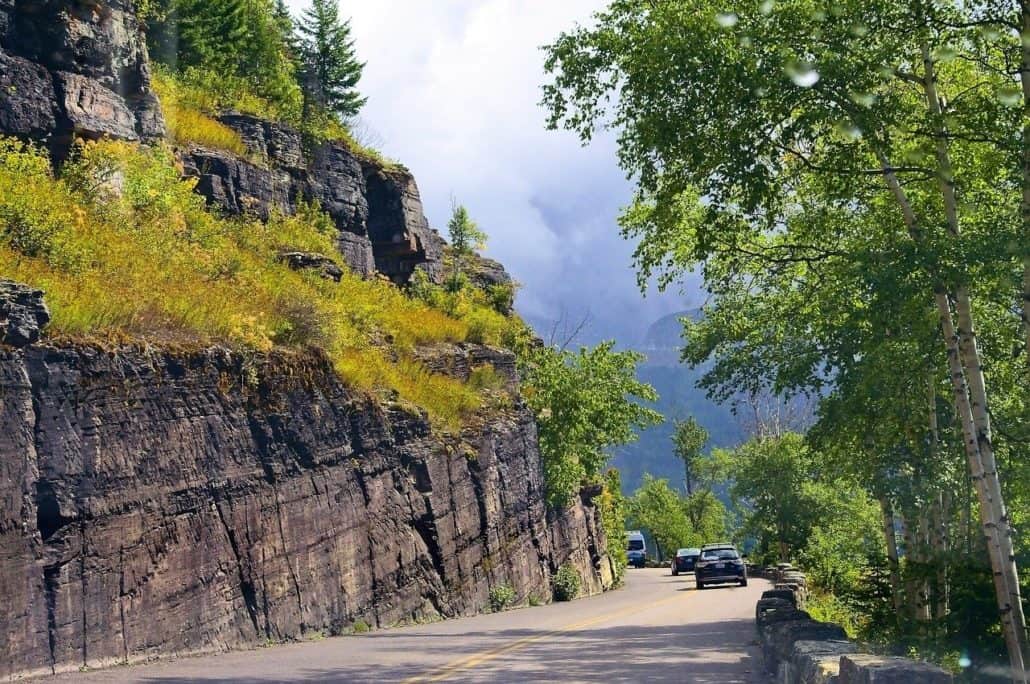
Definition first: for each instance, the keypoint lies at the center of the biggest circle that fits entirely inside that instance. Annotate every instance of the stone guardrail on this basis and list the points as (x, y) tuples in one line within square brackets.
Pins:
[(800, 650)]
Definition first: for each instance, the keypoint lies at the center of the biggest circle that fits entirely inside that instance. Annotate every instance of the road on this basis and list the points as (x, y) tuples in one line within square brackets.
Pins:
[(658, 628)]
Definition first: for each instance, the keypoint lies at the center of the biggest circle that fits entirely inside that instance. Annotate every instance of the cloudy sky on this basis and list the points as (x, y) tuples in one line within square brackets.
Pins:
[(453, 87)]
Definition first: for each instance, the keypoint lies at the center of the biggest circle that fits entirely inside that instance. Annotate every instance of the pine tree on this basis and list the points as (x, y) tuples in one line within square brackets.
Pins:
[(331, 67), (287, 29)]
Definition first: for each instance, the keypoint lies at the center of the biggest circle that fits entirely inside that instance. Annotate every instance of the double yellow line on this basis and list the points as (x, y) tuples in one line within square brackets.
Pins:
[(475, 660)]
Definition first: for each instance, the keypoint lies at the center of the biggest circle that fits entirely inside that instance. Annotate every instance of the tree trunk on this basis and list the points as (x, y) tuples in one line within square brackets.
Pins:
[(1001, 551), (941, 547), (1002, 565), (939, 513), (1012, 620), (1024, 79), (897, 593)]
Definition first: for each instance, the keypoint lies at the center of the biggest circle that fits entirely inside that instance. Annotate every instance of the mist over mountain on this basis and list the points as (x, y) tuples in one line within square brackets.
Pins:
[(679, 398)]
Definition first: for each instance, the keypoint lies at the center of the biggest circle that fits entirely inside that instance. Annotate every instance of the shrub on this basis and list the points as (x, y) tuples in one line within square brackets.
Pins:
[(501, 597), (613, 507), (360, 627), (566, 583)]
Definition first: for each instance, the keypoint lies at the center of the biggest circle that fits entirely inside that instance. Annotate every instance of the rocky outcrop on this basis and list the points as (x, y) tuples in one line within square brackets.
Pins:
[(156, 503), (23, 314), (376, 207), (75, 68), (461, 360), (312, 261)]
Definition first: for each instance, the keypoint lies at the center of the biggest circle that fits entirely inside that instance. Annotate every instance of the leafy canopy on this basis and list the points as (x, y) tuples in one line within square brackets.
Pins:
[(586, 402)]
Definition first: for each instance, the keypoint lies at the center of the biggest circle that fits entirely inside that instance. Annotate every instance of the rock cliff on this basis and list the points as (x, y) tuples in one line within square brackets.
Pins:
[(75, 68), (156, 503), (375, 206), (79, 68)]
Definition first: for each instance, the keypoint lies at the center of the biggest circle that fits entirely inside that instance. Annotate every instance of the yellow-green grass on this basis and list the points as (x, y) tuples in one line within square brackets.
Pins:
[(190, 101), (186, 120), (126, 250)]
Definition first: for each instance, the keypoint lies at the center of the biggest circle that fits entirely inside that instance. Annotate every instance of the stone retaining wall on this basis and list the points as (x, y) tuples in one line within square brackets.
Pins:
[(800, 650)]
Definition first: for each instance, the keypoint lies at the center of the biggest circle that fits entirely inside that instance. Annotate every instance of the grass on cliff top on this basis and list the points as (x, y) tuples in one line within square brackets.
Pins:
[(190, 100), (125, 250)]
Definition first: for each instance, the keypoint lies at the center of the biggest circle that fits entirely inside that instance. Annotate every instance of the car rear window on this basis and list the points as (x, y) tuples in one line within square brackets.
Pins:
[(719, 554), (635, 545)]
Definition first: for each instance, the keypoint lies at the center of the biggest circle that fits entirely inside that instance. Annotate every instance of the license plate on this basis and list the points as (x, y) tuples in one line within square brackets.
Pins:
[(720, 565)]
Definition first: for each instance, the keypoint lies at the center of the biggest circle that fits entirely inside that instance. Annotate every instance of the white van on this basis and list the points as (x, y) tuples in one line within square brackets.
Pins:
[(636, 549)]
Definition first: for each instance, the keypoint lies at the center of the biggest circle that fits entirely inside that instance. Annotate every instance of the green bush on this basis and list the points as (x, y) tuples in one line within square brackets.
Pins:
[(613, 519), (566, 583), (502, 596), (360, 627)]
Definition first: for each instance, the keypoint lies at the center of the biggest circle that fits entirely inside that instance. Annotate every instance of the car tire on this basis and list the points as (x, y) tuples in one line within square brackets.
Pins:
[(743, 582)]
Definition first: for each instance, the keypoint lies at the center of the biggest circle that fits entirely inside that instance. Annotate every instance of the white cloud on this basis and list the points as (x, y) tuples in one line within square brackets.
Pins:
[(453, 88)]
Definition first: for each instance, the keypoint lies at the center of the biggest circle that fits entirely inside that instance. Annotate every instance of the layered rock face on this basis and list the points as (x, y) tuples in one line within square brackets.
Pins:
[(376, 208), (154, 503), (75, 68)]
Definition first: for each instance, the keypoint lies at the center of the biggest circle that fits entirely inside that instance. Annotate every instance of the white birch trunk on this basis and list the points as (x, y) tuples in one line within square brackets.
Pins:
[(1001, 550), (1024, 79), (939, 513), (1013, 626), (890, 537)]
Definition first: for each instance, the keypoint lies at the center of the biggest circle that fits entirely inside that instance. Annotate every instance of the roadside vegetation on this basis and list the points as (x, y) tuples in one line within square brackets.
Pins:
[(126, 250), (852, 181)]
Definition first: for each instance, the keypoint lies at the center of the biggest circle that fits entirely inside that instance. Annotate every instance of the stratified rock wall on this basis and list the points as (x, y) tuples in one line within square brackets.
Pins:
[(376, 207), (75, 68), (156, 503)]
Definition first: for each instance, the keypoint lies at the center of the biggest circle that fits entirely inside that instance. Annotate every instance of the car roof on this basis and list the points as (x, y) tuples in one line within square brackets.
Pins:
[(688, 552), (720, 545)]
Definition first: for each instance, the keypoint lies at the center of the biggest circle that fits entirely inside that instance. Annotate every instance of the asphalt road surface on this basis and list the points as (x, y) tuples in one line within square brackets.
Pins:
[(658, 628)]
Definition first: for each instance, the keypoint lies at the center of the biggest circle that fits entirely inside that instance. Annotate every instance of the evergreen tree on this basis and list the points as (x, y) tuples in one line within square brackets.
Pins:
[(466, 240), (331, 67), (287, 30)]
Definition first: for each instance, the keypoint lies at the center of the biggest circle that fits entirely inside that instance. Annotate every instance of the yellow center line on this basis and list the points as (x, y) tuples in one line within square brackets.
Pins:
[(468, 662)]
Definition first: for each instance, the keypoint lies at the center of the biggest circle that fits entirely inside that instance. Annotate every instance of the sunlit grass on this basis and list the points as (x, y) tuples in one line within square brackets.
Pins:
[(187, 122), (126, 250)]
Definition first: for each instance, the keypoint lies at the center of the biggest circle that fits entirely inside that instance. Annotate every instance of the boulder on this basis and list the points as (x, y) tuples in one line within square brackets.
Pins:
[(402, 240), (814, 662), (784, 614), (785, 594), (23, 314), (375, 206), (304, 261), (779, 637), (872, 669), (767, 605)]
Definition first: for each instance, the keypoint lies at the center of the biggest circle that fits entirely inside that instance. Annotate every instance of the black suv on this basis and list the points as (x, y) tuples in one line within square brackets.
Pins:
[(720, 564)]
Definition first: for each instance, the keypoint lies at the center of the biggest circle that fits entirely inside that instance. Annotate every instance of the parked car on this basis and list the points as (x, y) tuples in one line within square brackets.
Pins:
[(636, 550), (719, 564), (684, 560)]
